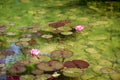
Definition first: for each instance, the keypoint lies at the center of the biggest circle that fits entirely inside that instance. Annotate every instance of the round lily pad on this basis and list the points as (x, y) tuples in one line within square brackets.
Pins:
[(67, 33), (27, 77), (81, 64), (37, 34), (17, 68), (67, 53), (11, 33), (12, 40), (22, 43), (8, 52), (32, 42), (45, 66), (69, 64), (26, 36), (61, 53), (25, 39), (64, 28), (56, 64), (56, 54), (44, 58), (25, 62), (43, 77), (72, 72), (106, 70), (47, 36), (37, 72)]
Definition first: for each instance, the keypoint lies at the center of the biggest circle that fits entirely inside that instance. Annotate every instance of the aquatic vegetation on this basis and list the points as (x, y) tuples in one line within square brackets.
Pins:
[(79, 28)]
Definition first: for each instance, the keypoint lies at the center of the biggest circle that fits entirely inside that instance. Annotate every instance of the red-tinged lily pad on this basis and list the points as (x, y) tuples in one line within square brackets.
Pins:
[(2, 34), (81, 64), (13, 78), (32, 42), (2, 28), (69, 64), (76, 64), (60, 23), (8, 52)]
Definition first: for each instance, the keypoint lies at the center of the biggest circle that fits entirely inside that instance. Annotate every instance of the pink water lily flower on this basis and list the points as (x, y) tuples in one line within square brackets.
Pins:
[(34, 52), (79, 28)]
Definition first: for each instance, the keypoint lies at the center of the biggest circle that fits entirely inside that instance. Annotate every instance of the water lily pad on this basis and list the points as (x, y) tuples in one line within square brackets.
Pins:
[(17, 68), (11, 33), (26, 35), (61, 53), (32, 42), (60, 23), (56, 54), (69, 64), (44, 58), (22, 44), (27, 77), (12, 40), (64, 28), (43, 77), (67, 33), (106, 70), (37, 34), (47, 36), (72, 72), (91, 50), (115, 76), (8, 52), (56, 64), (81, 64), (25, 39), (24, 62), (37, 72), (45, 66)]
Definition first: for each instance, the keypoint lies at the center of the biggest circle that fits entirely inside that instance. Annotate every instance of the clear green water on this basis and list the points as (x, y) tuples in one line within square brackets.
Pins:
[(99, 43)]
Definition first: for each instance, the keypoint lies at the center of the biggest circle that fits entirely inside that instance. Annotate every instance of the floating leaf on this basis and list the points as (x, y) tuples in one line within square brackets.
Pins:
[(27, 77), (22, 43), (81, 64), (61, 53), (107, 70), (17, 68), (59, 23), (12, 40), (8, 52), (44, 58), (37, 34), (11, 33), (47, 36), (56, 64), (26, 36), (37, 72), (32, 42), (69, 64), (25, 39), (72, 72), (56, 54), (64, 28), (43, 77), (45, 66), (67, 33)]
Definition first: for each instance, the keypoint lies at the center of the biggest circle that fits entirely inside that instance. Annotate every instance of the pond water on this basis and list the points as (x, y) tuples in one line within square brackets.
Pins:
[(36, 24)]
